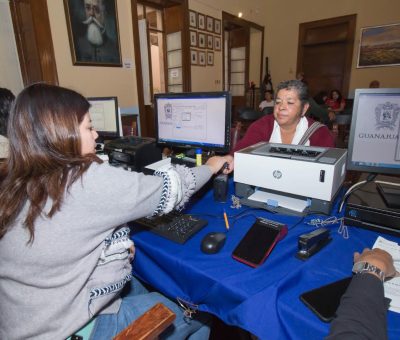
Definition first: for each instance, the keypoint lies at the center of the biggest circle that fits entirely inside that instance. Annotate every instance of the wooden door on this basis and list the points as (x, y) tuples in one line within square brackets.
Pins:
[(174, 21), (325, 53), (34, 42)]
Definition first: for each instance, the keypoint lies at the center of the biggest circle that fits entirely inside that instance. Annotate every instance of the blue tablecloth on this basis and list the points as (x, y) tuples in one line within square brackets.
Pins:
[(263, 300)]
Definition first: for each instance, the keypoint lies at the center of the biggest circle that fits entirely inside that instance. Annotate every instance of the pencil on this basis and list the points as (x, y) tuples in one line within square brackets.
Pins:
[(226, 220)]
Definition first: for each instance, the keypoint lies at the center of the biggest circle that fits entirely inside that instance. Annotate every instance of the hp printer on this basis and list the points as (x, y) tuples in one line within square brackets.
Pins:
[(289, 178)]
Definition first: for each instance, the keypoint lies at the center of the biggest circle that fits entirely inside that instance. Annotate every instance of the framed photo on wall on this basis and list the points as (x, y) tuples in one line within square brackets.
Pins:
[(210, 42), (202, 21), (202, 40), (210, 24), (217, 26), (202, 58), (217, 43), (193, 19), (379, 46), (194, 57), (210, 58), (92, 44), (193, 38)]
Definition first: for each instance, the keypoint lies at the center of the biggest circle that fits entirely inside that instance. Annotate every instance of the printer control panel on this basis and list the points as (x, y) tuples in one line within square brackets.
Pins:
[(299, 152), (293, 151)]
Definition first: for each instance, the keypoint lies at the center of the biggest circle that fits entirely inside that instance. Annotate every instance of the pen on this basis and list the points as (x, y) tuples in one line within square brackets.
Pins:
[(226, 220)]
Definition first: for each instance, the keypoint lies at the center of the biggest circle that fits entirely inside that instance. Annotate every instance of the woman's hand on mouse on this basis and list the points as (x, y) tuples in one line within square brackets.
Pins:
[(216, 163)]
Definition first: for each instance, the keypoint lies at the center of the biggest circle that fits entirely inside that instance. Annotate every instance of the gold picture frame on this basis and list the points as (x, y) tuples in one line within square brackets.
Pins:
[(379, 46)]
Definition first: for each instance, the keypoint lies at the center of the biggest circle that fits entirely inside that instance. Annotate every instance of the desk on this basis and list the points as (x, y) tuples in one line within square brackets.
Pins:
[(264, 301)]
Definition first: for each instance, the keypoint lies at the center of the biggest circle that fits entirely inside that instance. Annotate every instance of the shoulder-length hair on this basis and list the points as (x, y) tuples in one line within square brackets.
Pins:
[(44, 155)]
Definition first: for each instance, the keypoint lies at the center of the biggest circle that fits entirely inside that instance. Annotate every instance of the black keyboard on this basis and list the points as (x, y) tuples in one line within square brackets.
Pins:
[(175, 226)]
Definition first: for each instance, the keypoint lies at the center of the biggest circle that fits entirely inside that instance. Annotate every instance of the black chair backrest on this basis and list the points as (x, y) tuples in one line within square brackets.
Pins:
[(248, 113), (268, 110)]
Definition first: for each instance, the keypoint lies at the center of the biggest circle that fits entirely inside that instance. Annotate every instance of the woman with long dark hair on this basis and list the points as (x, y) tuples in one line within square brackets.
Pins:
[(65, 250)]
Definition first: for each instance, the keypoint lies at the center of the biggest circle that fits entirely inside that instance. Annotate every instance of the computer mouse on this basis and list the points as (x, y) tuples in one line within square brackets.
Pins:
[(213, 242)]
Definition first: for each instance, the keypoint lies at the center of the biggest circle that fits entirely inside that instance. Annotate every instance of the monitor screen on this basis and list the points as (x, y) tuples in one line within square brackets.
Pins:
[(374, 137), (194, 120), (104, 114)]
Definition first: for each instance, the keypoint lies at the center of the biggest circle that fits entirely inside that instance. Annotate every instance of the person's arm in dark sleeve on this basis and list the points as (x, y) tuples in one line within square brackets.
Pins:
[(362, 311)]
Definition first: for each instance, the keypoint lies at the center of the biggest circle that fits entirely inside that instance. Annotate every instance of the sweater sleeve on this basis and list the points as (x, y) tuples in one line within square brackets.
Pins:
[(117, 196), (362, 311)]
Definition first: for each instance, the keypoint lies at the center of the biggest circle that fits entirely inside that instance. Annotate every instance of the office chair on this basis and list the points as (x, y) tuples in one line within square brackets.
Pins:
[(268, 110), (236, 134), (247, 113)]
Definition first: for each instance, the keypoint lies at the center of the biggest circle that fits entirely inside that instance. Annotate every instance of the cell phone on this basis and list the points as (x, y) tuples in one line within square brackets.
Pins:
[(324, 301), (259, 241)]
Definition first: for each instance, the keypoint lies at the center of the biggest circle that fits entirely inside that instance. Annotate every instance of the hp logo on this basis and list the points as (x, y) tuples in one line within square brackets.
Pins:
[(277, 174)]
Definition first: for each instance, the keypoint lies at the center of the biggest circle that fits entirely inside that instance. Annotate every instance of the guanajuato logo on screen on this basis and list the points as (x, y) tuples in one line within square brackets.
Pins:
[(386, 115)]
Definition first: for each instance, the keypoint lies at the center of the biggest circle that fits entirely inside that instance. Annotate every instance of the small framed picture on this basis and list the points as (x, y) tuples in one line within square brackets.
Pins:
[(210, 24), (210, 58), (217, 43), (193, 19), (194, 57), (193, 38), (202, 40), (210, 41), (217, 26), (202, 21), (202, 58)]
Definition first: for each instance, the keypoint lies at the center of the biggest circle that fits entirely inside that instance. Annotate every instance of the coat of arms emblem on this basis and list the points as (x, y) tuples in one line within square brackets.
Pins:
[(386, 115)]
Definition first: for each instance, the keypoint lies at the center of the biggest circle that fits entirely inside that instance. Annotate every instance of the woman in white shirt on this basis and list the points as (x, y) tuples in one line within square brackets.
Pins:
[(268, 101)]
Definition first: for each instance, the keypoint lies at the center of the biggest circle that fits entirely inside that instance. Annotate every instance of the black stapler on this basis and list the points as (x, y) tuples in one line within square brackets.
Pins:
[(311, 243)]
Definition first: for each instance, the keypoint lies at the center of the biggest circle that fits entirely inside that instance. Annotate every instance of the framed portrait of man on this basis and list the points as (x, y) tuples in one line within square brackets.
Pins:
[(202, 21), (217, 43), (193, 19), (210, 24), (210, 41), (202, 58), (210, 58), (201, 40), (193, 38), (194, 56), (93, 32)]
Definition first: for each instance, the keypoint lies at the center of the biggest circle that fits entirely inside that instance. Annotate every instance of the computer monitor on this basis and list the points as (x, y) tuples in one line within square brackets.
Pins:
[(194, 120), (105, 118), (374, 144)]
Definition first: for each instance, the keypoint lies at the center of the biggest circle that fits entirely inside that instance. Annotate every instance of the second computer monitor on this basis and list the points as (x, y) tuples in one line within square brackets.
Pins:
[(194, 120), (105, 118)]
